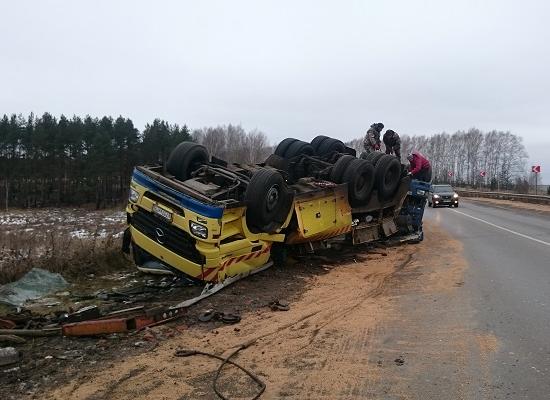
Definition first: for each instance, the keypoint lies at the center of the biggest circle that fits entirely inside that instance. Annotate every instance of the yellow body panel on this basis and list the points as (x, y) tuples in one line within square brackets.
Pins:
[(321, 216)]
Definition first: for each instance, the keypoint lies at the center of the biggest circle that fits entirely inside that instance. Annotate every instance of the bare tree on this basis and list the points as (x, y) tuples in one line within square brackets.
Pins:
[(460, 157)]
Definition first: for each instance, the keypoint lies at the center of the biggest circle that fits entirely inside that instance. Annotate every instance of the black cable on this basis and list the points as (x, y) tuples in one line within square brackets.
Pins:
[(261, 384)]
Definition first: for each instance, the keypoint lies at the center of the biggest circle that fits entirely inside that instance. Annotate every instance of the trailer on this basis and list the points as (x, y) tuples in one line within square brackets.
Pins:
[(217, 222)]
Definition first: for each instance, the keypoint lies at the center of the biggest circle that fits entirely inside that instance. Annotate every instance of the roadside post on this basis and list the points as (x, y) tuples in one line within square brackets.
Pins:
[(483, 174), (536, 170)]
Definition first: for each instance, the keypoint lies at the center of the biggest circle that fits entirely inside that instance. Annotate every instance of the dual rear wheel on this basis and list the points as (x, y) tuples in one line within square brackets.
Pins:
[(268, 197)]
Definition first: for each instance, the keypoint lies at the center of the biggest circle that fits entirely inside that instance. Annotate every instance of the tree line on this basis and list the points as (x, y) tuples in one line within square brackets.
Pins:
[(49, 161), (495, 159)]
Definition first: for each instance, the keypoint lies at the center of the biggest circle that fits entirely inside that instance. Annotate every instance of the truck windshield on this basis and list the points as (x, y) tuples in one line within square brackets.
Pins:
[(443, 189)]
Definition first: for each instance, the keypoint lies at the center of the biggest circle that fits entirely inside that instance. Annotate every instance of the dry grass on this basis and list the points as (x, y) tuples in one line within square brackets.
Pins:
[(69, 245)]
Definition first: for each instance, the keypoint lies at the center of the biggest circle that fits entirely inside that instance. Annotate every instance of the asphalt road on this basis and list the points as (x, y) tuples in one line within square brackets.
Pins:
[(508, 285)]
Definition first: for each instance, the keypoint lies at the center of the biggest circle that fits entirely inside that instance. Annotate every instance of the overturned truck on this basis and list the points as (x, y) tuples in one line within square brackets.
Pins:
[(217, 222)]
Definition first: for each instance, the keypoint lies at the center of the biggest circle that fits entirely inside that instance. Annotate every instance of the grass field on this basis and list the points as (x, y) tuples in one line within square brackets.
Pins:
[(66, 240)]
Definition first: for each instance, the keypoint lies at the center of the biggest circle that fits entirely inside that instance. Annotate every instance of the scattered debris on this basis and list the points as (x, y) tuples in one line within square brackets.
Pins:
[(279, 305), (8, 355), (227, 318), (399, 360), (97, 327), (226, 360), (33, 285), (12, 339), (85, 313), (6, 324), (31, 332)]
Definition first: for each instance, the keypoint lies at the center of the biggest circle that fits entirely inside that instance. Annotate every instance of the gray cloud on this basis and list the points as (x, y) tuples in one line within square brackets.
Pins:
[(288, 68)]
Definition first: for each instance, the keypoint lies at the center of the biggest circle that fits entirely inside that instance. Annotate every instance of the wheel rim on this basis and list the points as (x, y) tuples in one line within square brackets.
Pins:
[(272, 198)]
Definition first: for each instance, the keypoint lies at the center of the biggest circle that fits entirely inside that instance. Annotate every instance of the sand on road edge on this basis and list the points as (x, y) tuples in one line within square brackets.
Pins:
[(326, 346)]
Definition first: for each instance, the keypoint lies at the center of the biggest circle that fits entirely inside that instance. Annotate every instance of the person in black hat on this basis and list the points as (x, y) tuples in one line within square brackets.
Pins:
[(393, 143), (372, 138)]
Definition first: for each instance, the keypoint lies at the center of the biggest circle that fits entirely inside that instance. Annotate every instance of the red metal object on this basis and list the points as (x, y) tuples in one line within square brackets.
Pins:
[(535, 169), (143, 321), (99, 327), (6, 324), (121, 325)]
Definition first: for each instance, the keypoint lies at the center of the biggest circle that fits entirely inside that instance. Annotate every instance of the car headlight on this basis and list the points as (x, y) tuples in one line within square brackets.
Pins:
[(455, 195), (134, 195), (436, 196), (198, 230)]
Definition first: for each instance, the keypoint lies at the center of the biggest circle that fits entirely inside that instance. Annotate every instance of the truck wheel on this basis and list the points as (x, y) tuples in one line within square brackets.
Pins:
[(317, 140), (374, 157), (359, 176), (267, 201), (283, 146), (186, 158), (387, 176), (331, 145), (339, 168), (298, 148)]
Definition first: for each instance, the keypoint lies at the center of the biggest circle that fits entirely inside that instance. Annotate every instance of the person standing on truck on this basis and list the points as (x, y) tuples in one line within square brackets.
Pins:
[(393, 143), (420, 168), (371, 142)]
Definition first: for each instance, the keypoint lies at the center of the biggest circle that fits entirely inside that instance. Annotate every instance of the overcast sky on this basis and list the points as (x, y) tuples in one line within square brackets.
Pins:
[(288, 68)]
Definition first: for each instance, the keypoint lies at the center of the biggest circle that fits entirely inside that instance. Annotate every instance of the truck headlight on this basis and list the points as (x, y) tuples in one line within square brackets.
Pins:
[(436, 196), (134, 195), (455, 195), (198, 230)]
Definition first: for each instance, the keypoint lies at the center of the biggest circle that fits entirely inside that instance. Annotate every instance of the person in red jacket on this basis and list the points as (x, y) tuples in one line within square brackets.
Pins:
[(420, 168)]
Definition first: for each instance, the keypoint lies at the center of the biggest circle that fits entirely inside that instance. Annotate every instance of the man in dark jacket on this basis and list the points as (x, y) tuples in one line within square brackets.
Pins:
[(372, 138), (420, 168), (393, 143)]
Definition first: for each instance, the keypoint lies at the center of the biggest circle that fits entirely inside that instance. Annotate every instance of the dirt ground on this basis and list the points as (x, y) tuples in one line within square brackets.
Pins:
[(365, 326), (541, 208)]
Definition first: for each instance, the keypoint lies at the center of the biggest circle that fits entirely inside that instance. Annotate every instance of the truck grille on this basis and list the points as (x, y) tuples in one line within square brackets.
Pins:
[(167, 235)]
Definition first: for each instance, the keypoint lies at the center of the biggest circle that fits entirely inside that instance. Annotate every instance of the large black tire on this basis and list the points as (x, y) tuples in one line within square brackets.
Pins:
[(283, 146), (267, 199), (277, 162), (374, 157), (331, 145), (339, 168), (387, 176), (317, 140), (186, 158), (298, 148), (359, 176)]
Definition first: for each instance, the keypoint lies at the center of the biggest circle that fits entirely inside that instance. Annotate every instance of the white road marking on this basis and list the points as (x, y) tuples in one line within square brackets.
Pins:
[(504, 229)]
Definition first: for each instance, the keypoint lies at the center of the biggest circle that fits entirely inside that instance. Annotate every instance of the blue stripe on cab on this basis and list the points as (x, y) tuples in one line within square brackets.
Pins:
[(183, 200)]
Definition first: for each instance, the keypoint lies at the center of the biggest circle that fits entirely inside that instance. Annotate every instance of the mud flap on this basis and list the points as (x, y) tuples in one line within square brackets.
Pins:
[(212, 288), (126, 241)]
